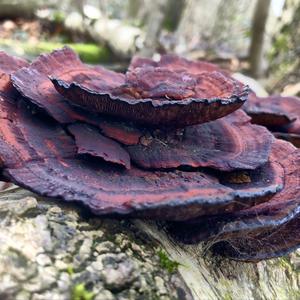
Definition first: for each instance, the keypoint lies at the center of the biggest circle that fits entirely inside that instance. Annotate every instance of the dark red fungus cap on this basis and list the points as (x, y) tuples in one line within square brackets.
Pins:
[(152, 96), (176, 63), (272, 110), (34, 84), (107, 190), (8, 64), (38, 154), (247, 212), (90, 141), (280, 114), (226, 144), (125, 133), (261, 231)]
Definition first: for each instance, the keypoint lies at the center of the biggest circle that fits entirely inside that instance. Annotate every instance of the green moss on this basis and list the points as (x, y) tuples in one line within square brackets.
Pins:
[(280, 45), (227, 296), (79, 292), (168, 24), (58, 17), (89, 53), (166, 263), (70, 270), (285, 263)]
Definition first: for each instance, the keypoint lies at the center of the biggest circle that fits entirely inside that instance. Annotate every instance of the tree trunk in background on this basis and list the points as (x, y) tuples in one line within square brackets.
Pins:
[(156, 10), (133, 8), (256, 52), (194, 29), (173, 14), (284, 70), (216, 27), (230, 31)]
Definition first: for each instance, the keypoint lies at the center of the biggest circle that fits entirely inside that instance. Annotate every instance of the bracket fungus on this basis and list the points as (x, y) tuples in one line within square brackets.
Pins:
[(280, 114), (253, 233), (152, 95), (164, 141), (219, 144)]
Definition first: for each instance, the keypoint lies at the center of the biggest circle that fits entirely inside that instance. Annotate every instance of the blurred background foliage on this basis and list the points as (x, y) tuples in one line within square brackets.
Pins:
[(258, 37)]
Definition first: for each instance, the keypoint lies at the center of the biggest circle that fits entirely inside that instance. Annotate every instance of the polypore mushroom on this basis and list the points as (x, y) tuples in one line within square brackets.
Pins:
[(83, 152), (33, 83), (280, 114), (255, 233), (90, 141), (272, 110), (154, 96), (43, 155), (219, 144), (37, 154)]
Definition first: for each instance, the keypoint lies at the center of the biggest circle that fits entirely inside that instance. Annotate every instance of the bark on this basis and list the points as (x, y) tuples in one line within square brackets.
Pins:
[(154, 24), (52, 250), (258, 33), (174, 11), (133, 8)]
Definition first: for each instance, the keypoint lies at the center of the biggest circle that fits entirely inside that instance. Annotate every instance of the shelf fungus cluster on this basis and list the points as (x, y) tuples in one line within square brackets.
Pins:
[(165, 141)]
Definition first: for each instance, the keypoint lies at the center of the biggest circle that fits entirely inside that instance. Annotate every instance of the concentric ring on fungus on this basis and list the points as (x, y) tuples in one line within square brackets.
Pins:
[(261, 231), (37, 154), (152, 96), (243, 202), (219, 144)]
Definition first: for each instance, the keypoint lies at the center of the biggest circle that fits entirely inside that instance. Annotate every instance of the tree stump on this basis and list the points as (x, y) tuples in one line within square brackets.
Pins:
[(53, 250)]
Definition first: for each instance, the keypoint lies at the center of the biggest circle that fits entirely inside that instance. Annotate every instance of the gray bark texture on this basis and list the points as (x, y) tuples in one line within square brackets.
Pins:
[(156, 14), (258, 35), (52, 250)]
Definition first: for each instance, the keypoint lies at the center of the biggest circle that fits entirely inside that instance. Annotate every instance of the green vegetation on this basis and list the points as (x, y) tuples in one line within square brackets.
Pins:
[(79, 292), (227, 296), (168, 264), (89, 53), (70, 270), (285, 262)]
